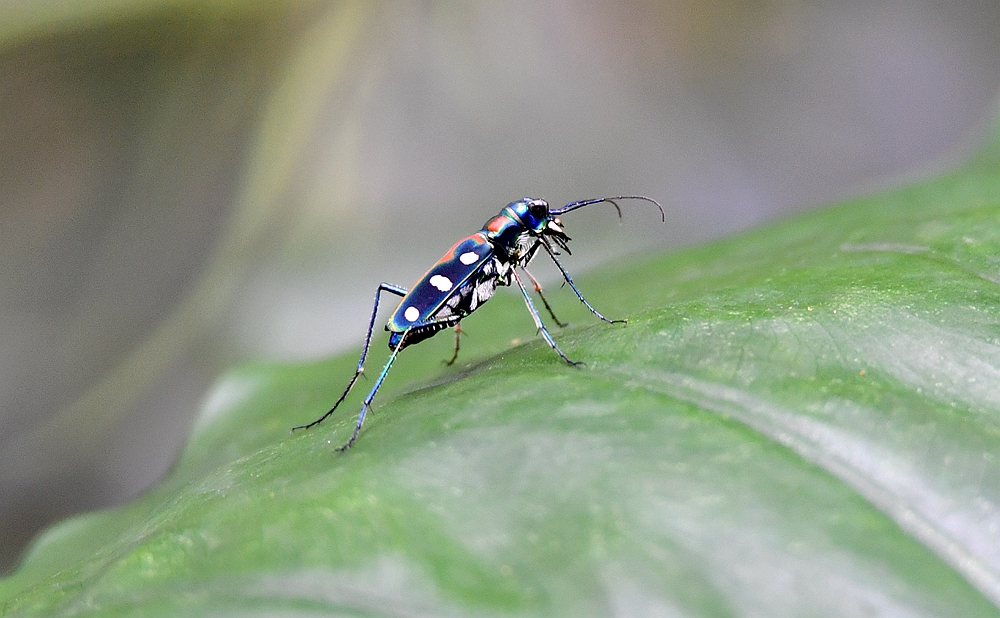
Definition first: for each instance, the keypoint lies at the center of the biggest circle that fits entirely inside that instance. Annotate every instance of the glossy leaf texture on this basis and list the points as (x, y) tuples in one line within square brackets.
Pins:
[(802, 420)]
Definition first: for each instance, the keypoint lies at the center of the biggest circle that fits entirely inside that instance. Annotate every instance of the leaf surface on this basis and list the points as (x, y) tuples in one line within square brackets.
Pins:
[(802, 420)]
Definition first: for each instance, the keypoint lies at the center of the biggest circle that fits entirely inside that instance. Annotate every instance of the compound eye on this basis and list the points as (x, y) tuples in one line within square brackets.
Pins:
[(539, 208)]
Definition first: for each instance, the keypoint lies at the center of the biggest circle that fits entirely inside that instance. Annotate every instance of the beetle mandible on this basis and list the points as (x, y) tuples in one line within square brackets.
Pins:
[(468, 275)]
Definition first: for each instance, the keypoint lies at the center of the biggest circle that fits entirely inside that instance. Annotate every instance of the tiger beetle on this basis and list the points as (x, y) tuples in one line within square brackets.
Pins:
[(468, 275)]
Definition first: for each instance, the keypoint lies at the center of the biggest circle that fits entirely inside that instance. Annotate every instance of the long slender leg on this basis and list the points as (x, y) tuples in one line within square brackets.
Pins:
[(458, 333), (538, 290), (569, 280), (538, 320), (368, 400), (383, 287)]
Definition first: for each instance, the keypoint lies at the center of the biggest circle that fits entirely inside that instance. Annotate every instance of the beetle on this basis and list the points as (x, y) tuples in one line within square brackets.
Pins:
[(467, 276)]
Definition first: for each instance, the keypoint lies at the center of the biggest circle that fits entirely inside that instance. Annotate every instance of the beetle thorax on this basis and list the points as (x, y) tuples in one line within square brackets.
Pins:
[(516, 231), (525, 248)]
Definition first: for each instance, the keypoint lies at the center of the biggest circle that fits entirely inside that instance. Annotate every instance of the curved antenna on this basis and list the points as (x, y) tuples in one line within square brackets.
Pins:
[(610, 200)]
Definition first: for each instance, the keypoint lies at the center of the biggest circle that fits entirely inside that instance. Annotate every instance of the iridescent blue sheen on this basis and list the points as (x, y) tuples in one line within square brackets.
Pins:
[(525, 216)]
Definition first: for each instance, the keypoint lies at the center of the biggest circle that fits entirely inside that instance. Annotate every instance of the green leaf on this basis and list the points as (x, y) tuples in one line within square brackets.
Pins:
[(802, 420)]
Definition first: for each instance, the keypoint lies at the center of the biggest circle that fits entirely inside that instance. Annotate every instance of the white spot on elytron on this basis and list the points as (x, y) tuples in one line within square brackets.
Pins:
[(411, 313), (441, 282), (468, 257)]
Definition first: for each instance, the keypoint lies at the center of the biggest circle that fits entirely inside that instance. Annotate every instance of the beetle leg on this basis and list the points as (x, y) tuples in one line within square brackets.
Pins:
[(371, 395), (366, 404), (458, 334), (569, 280), (384, 287), (538, 290), (538, 321)]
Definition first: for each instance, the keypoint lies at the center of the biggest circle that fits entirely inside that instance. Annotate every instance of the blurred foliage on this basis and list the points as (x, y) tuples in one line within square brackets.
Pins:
[(147, 152)]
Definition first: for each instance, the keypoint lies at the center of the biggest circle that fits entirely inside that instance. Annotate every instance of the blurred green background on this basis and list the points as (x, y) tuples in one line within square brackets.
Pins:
[(186, 185)]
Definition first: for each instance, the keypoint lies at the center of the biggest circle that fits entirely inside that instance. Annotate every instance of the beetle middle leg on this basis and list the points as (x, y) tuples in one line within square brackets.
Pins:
[(458, 334), (538, 321), (538, 290), (579, 295)]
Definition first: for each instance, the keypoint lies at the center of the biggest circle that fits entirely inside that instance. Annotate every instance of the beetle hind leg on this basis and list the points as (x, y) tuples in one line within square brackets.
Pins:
[(384, 287), (367, 403)]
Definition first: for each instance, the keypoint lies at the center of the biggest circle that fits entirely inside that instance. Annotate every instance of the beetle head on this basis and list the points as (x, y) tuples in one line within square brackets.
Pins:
[(531, 213)]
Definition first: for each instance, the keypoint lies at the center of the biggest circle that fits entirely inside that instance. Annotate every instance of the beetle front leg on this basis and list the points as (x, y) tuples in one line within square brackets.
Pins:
[(569, 280)]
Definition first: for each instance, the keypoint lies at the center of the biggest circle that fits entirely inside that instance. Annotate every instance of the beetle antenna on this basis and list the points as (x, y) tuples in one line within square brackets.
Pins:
[(615, 204), (611, 200)]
